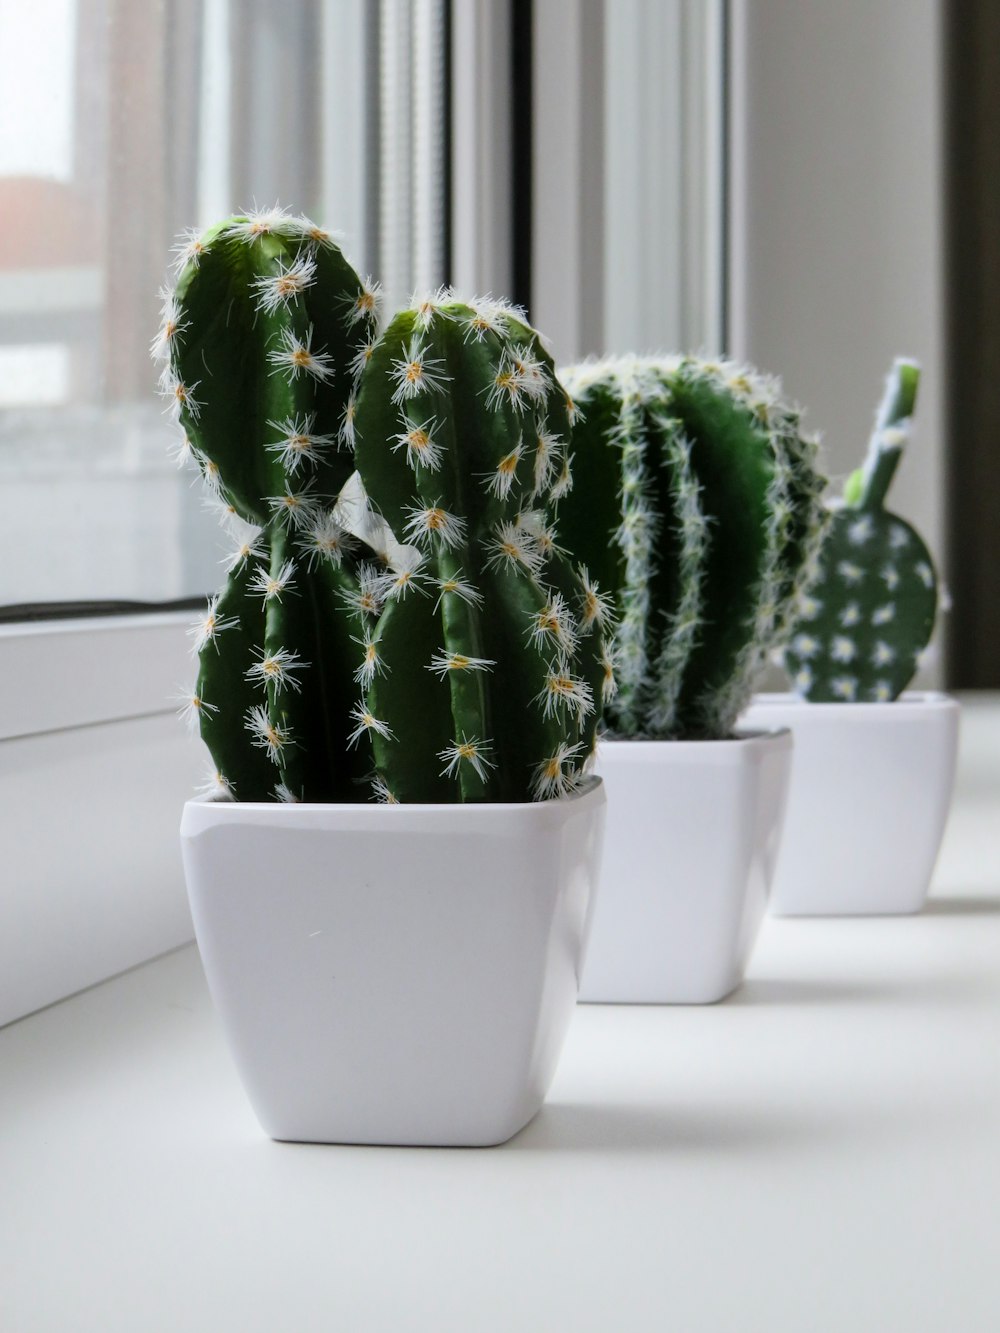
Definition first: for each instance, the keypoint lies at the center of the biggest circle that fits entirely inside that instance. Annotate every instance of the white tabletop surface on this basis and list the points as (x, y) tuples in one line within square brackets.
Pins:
[(820, 1154)]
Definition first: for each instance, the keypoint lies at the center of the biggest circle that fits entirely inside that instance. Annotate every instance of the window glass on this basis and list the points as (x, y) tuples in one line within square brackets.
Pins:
[(121, 124)]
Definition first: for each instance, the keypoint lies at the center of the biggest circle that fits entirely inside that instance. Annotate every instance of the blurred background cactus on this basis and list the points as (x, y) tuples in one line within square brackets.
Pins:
[(486, 668), (871, 610), (262, 337), (696, 503)]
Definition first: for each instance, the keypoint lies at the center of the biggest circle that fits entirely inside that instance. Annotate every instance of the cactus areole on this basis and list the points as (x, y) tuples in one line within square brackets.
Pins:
[(870, 612), (697, 503), (467, 665)]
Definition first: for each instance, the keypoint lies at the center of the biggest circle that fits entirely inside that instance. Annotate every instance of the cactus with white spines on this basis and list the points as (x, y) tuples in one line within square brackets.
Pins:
[(871, 610), (696, 502), (465, 664), (258, 337), (486, 666)]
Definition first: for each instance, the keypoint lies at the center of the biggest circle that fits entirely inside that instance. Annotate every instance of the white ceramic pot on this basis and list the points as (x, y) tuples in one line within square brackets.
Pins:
[(691, 840), (871, 788), (394, 974)]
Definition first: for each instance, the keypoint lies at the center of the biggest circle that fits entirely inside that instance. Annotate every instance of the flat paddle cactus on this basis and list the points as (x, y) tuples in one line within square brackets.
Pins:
[(870, 613)]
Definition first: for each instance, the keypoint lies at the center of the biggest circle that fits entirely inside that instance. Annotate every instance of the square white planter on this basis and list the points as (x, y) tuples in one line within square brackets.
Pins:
[(691, 840), (870, 794), (394, 974)]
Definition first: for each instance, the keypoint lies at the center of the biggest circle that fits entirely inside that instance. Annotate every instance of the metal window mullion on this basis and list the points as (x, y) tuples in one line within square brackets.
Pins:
[(395, 149), (428, 179), (482, 147), (345, 112)]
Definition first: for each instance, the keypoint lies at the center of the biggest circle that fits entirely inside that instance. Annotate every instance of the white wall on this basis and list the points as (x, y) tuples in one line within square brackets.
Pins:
[(837, 217)]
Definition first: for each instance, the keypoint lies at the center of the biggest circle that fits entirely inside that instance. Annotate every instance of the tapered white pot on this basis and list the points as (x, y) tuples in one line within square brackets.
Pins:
[(869, 800), (394, 974), (691, 841)]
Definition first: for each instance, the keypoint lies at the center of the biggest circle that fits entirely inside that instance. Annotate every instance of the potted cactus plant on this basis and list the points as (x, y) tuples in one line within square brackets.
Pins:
[(695, 501), (391, 872), (874, 765)]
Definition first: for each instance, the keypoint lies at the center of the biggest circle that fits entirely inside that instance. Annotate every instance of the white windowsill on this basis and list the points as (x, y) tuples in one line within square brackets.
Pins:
[(94, 770), (74, 673), (820, 1152)]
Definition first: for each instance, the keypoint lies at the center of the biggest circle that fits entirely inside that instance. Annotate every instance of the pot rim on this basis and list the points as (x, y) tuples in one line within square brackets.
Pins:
[(202, 812), (746, 739), (910, 704)]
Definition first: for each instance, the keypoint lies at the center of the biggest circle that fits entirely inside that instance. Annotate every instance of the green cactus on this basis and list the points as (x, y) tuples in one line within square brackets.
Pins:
[(871, 609), (696, 502), (261, 337), (485, 670)]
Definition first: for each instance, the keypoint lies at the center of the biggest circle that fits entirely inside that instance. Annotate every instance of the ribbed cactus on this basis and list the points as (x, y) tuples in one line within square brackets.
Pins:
[(696, 502), (870, 613), (467, 665), (484, 671), (262, 336)]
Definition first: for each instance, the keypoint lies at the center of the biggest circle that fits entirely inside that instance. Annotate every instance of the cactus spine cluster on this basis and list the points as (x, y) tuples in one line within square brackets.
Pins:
[(470, 664), (870, 612), (488, 660), (696, 502)]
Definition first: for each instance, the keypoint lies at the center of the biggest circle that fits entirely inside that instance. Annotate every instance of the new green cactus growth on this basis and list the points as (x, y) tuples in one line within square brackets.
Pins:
[(486, 667), (696, 502), (261, 336), (871, 610)]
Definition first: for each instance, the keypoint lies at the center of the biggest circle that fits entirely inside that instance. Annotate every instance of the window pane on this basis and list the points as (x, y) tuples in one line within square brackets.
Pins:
[(121, 124)]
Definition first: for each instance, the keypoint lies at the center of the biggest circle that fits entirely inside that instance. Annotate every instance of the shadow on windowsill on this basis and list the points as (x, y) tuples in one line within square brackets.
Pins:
[(967, 905), (795, 990), (637, 1129)]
